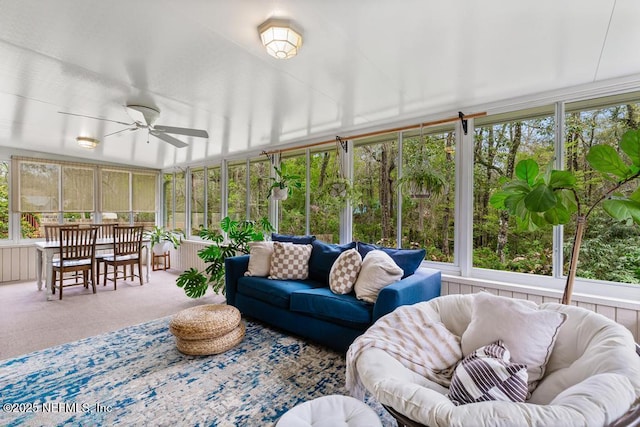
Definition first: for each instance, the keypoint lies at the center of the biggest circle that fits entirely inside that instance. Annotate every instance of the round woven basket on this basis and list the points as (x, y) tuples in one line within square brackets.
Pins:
[(215, 345), (204, 321)]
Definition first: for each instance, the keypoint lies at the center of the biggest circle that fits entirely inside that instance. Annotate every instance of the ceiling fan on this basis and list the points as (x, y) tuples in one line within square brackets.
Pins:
[(144, 118)]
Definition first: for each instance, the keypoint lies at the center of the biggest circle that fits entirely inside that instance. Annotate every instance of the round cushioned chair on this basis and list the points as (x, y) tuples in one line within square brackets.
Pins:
[(592, 377)]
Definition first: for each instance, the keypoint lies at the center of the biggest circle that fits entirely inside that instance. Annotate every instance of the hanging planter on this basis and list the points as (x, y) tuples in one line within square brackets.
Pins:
[(282, 183), (278, 193)]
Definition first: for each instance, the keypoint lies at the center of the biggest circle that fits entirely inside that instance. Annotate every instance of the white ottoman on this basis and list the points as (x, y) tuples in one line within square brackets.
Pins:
[(330, 411)]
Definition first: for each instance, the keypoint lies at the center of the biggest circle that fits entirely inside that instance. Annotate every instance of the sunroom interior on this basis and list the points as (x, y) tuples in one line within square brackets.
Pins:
[(388, 97)]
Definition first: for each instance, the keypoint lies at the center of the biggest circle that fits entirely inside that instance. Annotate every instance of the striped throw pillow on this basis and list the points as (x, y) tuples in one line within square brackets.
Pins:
[(487, 374)]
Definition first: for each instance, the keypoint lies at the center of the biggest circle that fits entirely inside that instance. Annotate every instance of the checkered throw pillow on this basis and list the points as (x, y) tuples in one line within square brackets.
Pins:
[(290, 261), (344, 272), (487, 374)]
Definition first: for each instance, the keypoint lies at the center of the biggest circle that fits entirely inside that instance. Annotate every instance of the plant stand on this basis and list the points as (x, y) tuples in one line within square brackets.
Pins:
[(166, 261)]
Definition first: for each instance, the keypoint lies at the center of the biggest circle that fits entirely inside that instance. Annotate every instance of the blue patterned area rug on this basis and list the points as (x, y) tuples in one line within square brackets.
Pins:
[(135, 376)]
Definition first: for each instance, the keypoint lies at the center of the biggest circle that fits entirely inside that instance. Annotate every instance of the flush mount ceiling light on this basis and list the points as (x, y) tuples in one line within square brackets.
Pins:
[(280, 38), (86, 142)]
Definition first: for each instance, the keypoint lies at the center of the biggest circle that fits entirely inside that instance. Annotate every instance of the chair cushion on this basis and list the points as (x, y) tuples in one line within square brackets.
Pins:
[(510, 320), (72, 263), (344, 272), (324, 304), (593, 375), (323, 255), (129, 257), (290, 261), (487, 374)]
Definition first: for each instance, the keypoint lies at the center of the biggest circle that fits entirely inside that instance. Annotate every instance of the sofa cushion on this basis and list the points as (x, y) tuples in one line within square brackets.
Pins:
[(378, 270), (323, 255), (488, 374), (407, 259), (324, 304), (288, 238), (527, 331), (344, 272), (290, 261), (274, 292), (259, 259)]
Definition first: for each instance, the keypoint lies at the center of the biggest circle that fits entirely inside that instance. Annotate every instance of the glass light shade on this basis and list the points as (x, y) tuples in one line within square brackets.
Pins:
[(86, 142), (280, 38)]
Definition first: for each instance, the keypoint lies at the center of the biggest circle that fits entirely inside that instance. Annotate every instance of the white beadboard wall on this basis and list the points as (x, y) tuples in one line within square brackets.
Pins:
[(18, 263), (618, 312)]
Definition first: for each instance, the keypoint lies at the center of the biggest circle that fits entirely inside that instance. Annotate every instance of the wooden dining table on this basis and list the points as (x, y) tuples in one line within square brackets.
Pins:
[(45, 252)]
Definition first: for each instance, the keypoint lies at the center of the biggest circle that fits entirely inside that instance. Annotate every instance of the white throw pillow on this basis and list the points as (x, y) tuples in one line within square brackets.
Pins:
[(528, 332), (344, 272), (290, 261), (378, 270), (259, 259), (488, 374)]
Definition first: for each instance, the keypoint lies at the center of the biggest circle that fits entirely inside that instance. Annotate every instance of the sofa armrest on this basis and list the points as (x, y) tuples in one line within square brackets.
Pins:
[(234, 269), (423, 285)]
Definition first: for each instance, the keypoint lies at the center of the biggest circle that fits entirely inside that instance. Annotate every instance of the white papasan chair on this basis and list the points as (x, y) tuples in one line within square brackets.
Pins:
[(590, 378)]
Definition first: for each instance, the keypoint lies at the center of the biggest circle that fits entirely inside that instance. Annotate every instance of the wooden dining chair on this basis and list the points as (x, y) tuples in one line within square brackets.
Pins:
[(105, 231), (77, 254), (51, 231), (127, 251)]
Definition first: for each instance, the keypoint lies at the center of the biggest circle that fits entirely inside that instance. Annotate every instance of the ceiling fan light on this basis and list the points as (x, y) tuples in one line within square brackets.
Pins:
[(87, 142), (280, 37)]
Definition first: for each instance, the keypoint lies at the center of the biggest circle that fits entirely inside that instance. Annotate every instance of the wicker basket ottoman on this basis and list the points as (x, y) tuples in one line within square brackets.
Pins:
[(207, 329)]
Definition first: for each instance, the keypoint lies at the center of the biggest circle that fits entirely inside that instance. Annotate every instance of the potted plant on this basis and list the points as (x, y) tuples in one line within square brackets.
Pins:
[(239, 234), (162, 239), (282, 183), (540, 198)]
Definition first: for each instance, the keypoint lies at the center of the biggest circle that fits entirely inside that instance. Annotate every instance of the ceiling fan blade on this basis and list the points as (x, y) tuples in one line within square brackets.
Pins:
[(168, 138), (198, 133), (96, 118), (118, 131)]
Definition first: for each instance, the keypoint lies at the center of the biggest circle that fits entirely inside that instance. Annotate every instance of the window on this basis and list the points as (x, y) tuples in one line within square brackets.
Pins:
[(324, 210), (610, 250), (197, 200), (4, 200), (144, 199), (292, 212), (169, 201), (259, 189), (428, 192), (375, 181), (500, 142), (214, 198), (237, 191)]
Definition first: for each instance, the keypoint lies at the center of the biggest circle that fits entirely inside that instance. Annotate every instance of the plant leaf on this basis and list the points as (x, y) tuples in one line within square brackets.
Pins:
[(561, 179), (527, 170), (540, 199), (622, 209), (630, 145), (604, 158)]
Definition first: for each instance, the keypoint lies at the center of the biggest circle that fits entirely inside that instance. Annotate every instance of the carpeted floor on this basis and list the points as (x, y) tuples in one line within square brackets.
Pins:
[(135, 376)]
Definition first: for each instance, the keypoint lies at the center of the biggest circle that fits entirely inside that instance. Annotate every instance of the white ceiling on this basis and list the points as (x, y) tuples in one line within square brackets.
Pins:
[(363, 64)]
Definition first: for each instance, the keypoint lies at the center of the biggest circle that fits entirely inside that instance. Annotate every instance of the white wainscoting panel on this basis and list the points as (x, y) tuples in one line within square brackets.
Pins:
[(630, 318)]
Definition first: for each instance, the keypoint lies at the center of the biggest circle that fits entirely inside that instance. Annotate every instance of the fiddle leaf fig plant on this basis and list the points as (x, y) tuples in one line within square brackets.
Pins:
[(538, 198), (238, 235)]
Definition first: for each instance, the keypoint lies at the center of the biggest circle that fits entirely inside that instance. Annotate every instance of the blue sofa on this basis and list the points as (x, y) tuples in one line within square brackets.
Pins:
[(309, 309)]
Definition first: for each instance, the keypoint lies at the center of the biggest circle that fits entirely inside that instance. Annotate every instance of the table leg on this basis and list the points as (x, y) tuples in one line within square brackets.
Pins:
[(39, 268), (48, 259), (148, 261)]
